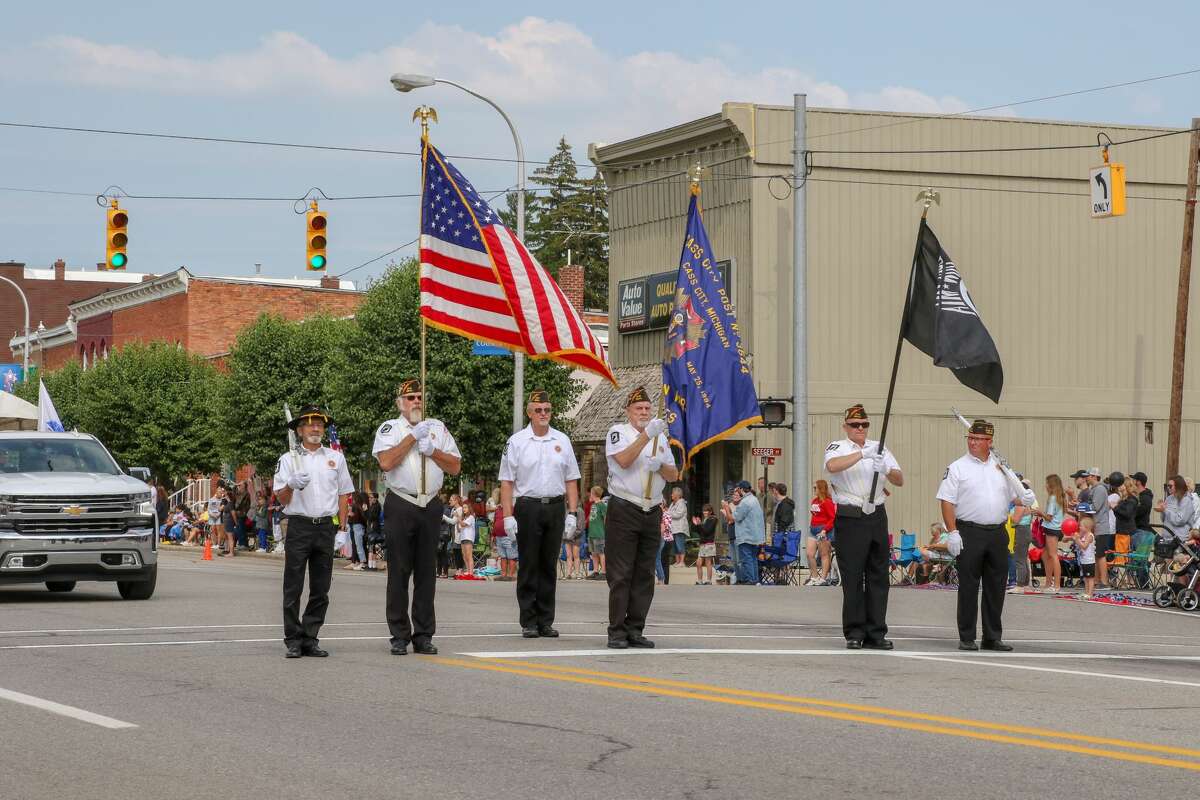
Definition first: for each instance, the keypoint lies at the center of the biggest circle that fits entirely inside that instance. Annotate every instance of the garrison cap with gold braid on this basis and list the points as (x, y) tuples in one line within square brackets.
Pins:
[(309, 414), (981, 427), (411, 386), (539, 396), (855, 412), (638, 395)]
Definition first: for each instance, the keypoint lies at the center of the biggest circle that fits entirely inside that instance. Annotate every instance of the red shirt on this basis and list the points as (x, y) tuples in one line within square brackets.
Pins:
[(824, 517)]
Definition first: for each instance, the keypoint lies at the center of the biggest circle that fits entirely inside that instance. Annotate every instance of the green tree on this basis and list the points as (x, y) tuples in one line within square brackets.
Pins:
[(150, 404), (63, 386), (471, 394), (273, 362)]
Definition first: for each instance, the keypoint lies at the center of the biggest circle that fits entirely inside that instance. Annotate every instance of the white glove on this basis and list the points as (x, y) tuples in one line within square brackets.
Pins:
[(569, 525), (868, 452), (425, 446), (655, 428), (954, 543), (299, 480), (879, 464), (421, 430), (510, 526)]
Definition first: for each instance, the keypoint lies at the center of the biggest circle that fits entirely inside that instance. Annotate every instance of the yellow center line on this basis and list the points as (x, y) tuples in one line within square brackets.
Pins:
[(631, 684), (891, 712)]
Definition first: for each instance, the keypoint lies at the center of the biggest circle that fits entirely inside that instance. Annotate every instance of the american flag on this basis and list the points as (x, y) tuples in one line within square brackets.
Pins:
[(334, 442), (479, 281)]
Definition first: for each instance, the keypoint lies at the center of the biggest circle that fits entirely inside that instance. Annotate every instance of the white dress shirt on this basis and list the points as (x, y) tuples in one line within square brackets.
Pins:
[(630, 484), (539, 466), (979, 490), (851, 486), (330, 479), (405, 477)]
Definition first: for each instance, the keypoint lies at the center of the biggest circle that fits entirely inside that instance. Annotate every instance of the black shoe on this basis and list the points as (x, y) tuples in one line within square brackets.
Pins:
[(641, 641), (399, 649), (548, 632), (854, 644), (314, 652), (998, 645), (530, 633), (880, 644), (425, 648), (964, 644), (618, 644), (294, 652)]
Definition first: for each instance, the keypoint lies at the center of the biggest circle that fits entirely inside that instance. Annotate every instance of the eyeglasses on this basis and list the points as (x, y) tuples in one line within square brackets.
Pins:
[(545, 410), (412, 397), (862, 426), (979, 438)]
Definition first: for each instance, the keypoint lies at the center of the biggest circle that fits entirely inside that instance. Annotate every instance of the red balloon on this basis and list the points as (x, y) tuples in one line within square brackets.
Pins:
[(1070, 526)]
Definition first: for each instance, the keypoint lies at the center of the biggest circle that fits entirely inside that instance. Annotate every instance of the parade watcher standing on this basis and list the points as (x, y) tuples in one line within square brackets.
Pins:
[(632, 526), (415, 454), (539, 492), (975, 495), (862, 529), (313, 485)]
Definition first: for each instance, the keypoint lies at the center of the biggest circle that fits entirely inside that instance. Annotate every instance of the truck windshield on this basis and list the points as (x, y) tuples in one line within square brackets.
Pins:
[(55, 455)]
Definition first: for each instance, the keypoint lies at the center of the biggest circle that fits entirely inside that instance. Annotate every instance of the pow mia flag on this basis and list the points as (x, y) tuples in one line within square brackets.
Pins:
[(941, 320)]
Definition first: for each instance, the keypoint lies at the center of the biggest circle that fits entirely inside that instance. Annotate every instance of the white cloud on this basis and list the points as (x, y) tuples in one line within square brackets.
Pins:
[(544, 70)]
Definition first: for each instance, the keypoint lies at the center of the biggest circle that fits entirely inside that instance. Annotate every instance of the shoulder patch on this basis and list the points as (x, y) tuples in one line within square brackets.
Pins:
[(833, 446), (946, 474), (387, 426), (614, 437)]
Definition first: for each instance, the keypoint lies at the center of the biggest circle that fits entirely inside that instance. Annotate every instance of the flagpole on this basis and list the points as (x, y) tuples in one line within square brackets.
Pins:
[(928, 197), (424, 113)]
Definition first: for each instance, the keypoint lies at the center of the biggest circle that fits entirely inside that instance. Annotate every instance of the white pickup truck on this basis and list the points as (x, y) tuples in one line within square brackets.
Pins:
[(68, 513)]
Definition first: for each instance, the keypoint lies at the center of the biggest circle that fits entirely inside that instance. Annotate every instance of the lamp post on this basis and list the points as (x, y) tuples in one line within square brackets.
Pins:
[(24, 301), (404, 82), (41, 330)]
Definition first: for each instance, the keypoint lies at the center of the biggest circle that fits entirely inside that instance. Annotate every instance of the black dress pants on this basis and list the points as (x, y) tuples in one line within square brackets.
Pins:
[(982, 562), (539, 544), (631, 545), (411, 533), (861, 545), (308, 548)]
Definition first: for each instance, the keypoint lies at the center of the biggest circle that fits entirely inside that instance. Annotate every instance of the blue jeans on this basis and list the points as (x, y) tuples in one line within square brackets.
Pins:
[(747, 563), (658, 567)]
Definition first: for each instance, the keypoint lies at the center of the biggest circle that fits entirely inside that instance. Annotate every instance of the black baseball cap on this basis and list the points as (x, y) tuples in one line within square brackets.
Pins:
[(1141, 478), (1079, 473)]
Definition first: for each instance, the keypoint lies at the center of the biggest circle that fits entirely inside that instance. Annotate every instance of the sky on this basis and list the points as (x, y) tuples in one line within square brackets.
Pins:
[(317, 73)]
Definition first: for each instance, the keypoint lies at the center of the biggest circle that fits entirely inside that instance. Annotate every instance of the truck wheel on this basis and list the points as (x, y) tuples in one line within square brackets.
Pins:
[(60, 586), (139, 590)]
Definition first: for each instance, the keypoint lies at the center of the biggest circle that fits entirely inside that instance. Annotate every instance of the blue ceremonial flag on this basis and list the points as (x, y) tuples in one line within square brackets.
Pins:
[(707, 388)]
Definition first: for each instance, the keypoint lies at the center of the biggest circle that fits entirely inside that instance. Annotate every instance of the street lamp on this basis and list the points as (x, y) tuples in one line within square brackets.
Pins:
[(25, 301), (404, 82), (41, 330)]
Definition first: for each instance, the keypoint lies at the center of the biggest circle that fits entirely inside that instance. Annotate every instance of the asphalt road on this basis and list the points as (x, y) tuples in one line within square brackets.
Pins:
[(750, 693)]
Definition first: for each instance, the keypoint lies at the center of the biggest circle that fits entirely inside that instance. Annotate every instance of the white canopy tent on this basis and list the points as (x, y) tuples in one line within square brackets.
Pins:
[(17, 414)]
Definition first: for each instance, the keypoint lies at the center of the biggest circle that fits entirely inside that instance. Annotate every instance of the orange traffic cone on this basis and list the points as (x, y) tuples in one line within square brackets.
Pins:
[(207, 550)]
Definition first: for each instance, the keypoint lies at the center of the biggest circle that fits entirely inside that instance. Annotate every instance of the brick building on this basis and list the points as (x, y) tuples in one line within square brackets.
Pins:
[(49, 291), (202, 314)]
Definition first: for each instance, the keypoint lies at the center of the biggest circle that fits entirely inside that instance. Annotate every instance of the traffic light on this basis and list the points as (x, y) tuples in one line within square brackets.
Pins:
[(117, 240), (315, 240)]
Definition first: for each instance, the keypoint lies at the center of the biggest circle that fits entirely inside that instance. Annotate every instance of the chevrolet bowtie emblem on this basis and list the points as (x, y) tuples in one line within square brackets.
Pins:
[(74, 510)]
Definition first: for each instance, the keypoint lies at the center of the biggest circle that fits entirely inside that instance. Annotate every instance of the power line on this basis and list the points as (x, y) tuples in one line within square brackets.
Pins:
[(242, 198)]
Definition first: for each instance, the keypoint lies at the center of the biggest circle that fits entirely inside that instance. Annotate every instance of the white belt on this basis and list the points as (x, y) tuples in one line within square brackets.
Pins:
[(642, 502), (421, 500)]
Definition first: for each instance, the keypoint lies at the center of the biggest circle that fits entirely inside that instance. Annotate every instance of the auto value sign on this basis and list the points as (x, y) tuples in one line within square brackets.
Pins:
[(644, 304)]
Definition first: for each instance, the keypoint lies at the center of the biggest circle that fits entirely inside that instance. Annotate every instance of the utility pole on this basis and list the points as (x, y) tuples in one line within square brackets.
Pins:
[(1181, 303), (799, 298)]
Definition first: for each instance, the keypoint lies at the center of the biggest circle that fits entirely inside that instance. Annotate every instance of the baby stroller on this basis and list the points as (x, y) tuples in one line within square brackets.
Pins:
[(1175, 593)]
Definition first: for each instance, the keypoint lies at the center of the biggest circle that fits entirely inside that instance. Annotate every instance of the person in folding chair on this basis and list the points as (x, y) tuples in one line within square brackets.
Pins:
[(539, 492), (975, 495), (851, 465)]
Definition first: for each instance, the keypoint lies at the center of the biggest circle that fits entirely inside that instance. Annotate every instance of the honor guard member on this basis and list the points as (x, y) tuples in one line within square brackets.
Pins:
[(632, 526), (313, 484), (412, 514), (540, 496), (975, 494), (851, 465)]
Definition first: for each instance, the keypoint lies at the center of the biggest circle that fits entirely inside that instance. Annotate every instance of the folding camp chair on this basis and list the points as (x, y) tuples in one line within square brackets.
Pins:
[(782, 553)]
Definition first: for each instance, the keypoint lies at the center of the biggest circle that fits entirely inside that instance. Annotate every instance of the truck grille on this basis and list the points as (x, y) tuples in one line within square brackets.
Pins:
[(69, 526), (95, 504)]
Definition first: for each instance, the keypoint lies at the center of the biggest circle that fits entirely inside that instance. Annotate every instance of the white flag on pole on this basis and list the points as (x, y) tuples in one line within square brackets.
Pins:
[(47, 415)]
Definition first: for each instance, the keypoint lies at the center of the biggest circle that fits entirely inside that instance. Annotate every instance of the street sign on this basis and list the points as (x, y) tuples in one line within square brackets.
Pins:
[(766, 451), (767, 461), (1107, 184)]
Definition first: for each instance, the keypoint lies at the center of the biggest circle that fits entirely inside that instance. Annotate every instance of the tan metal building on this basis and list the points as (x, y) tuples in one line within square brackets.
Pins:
[(1082, 309)]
